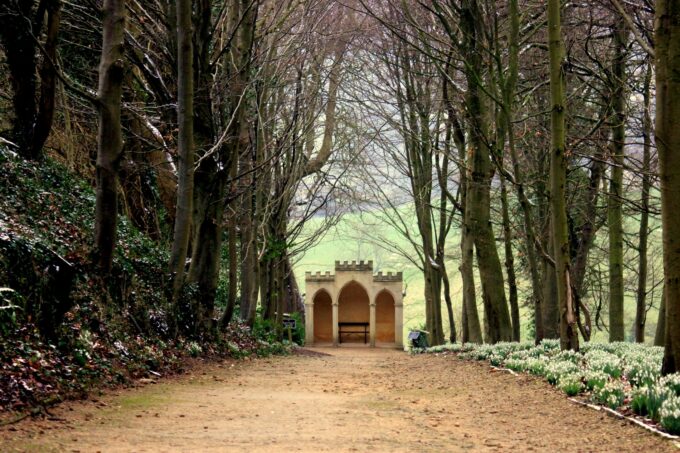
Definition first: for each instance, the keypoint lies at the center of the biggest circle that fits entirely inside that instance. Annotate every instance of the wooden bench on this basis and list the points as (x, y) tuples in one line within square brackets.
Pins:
[(353, 328)]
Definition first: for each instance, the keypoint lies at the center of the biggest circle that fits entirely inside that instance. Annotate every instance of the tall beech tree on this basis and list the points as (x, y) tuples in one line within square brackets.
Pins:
[(641, 294), (185, 145), (667, 67), (617, 86), (558, 174), (110, 138), (478, 199)]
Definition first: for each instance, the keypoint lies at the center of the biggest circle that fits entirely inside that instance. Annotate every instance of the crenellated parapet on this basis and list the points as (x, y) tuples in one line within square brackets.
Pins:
[(352, 302), (361, 266), (389, 277), (319, 277)]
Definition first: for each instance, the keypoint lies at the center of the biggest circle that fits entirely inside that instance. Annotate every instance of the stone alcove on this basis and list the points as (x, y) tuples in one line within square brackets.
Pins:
[(353, 305)]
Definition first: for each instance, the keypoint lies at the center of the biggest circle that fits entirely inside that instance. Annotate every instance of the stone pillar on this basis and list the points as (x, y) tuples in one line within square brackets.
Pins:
[(399, 324), (336, 340), (372, 325), (309, 322)]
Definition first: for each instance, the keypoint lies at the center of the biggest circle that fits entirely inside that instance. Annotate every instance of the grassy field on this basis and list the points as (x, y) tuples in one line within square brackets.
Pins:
[(365, 237)]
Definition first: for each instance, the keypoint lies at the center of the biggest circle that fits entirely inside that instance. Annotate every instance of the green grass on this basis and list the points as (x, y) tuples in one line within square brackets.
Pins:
[(147, 398)]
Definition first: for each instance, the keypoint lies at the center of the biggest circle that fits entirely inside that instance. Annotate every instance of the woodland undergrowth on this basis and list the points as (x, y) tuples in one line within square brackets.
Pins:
[(63, 332)]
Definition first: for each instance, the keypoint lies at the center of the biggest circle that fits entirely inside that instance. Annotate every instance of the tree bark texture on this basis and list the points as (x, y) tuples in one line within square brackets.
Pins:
[(110, 138), (667, 62), (185, 146), (558, 176), (20, 48), (478, 203), (660, 333), (615, 202), (212, 173), (510, 263), (643, 234)]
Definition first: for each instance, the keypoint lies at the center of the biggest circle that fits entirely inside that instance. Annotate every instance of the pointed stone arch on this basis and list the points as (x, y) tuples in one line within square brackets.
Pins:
[(353, 307), (385, 325), (323, 317)]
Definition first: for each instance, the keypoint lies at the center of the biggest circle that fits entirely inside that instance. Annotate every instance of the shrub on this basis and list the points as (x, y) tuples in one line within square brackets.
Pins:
[(549, 346), (194, 349), (642, 371), (568, 356), (496, 359), (596, 379), (571, 384), (671, 382), (554, 370), (612, 394), (669, 414), (656, 395), (536, 366), (638, 400), (605, 362), (518, 365)]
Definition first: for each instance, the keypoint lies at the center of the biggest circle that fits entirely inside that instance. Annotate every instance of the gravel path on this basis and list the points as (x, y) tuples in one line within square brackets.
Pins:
[(334, 400)]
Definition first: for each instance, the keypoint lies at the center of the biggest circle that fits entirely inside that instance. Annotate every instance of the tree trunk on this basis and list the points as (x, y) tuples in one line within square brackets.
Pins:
[(20, 48), (433, 303), (470, 326), (641, 299), (185, 146), (510, 263), (615, 206), (470, 313), (530, 237), (110, 139), (212, 174), (233, 276), (667, 60), (478, 204), (558, 176), (48, 80), (660, 334), (551, 312)]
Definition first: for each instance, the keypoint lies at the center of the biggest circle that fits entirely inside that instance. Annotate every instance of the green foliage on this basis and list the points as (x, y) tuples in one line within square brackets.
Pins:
[(571, 384), (558, 368), (517, 365), (642, 370), (616, 373), (265, 330), (595, 379), (194, 349), (669, 414), (536, 366), (612, 394), (568, 356), (605, 362), (671, 382), (100, 332), (8, 311), (656, 395), (451, 348), (299, 331), (638, 400)]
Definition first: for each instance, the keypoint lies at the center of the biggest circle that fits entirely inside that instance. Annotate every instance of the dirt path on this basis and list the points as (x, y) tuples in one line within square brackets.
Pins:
[(349, 400)]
